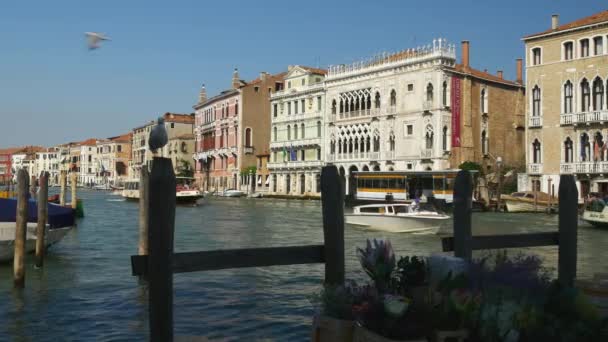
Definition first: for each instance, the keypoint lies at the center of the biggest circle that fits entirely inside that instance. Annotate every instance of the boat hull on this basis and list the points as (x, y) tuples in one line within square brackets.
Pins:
[(514, 206), (7, 238), (396, 224), (597, 219)]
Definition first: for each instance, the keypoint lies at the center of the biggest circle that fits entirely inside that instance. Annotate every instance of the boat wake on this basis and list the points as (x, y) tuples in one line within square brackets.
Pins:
[(116, 200)]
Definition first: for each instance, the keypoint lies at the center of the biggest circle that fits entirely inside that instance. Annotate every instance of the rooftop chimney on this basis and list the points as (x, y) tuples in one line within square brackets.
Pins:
[(263, 75), (519, 74), (554, 21), (499, 74), (236, 82), (465, 53), (202, 97)]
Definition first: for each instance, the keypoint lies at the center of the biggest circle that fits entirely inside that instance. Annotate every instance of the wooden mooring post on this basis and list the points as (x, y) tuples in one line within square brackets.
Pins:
[(144, 205), (463, 243), (21, 229), (74, 184), (43, 197), (160, 263), (63, 179)]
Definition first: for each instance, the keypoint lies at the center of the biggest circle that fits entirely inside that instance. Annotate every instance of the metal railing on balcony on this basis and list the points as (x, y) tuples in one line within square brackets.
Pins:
[(566, 168), (535, 168), (536, 121), (427, 105), (391, 110), (389, 155), (355, 114), (598, 116)]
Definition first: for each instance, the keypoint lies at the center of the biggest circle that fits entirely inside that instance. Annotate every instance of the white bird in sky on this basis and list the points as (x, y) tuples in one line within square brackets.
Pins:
[(93, 39)]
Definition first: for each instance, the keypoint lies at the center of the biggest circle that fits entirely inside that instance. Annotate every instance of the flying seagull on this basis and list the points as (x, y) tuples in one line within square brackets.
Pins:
[(158, 136), (94, 38)]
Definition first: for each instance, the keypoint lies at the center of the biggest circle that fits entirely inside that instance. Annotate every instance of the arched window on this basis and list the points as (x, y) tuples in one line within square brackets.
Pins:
[(288, 132), (428, 137), (568, 151), (585, 148), (444, 138), (598, 144), (393, 97), (568, 97), (303, 131), (377, 100), (295, 131), (275, 133), (391, 142), (318, 129), (429, 92), (236, 109), (484, 101), (248, 137), (333, 107), (536, 101), (484, 143), (341, 106), (585, 96), (184, 147), (598, 94), (368, 104), (536, 156), (444, 94)]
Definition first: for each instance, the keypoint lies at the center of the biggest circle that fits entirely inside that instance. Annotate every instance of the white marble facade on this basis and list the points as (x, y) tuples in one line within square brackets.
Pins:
[(391, 112)]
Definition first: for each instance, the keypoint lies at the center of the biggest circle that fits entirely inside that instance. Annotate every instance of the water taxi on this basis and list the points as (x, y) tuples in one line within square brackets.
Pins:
[(530, 201), (596, 213), (396, 218)]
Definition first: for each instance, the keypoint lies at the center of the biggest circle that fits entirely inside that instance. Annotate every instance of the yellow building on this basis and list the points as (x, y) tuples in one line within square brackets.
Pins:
[(567, 115)]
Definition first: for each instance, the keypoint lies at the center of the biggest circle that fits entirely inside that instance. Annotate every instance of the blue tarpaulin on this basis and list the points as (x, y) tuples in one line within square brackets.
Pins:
[(59, 216)]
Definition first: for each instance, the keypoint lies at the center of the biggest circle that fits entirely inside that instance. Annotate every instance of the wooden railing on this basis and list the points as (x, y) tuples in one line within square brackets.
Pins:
[(160, 262), (463, 243)]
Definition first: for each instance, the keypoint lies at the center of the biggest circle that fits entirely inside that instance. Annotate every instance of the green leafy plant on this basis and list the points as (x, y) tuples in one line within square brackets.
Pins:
[(378, 261), (184, 169), (471, 166), (411, 272)]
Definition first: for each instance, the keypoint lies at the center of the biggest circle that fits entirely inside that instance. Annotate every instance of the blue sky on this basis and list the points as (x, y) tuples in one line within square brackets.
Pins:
[(53, 90)]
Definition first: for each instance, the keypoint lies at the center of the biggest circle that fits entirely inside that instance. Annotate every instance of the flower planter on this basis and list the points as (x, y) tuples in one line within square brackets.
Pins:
[(450, 335), (362, 334), (327, 329)]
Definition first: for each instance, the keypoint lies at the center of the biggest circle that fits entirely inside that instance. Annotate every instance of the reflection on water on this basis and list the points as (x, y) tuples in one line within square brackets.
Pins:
[(86, 291)]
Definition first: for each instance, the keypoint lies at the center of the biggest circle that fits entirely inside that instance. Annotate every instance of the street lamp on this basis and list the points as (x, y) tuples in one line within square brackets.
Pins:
[(499, 171)]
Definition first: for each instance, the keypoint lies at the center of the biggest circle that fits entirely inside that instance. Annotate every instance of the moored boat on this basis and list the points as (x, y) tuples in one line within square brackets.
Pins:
[(530, 201), (396, 218), (233, 193), (60, 221)]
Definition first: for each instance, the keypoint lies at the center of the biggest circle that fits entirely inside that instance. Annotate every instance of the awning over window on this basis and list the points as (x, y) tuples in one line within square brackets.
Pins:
[(267, 181), (259, 180)]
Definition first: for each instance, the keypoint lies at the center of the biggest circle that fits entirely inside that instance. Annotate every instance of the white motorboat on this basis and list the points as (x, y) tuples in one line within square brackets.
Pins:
[(185, 192), (7, 238), (104, 187), (596, 213), (396, 218), (530, 201), (233, 193)]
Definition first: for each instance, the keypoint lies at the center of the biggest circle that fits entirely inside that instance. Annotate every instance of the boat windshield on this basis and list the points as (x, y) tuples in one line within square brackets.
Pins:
[(401, 209), (596, 205)]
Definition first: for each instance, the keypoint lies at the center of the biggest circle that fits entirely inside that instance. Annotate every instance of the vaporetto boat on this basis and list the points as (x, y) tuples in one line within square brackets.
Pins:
[(396, 218), (184, 192)]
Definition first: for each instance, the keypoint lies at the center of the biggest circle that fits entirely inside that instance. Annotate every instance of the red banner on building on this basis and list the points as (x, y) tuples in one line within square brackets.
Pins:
[(455, 111)]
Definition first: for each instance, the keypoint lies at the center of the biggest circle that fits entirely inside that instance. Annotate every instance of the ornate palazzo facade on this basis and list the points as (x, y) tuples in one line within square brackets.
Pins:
[(391, 112), (297, 133)]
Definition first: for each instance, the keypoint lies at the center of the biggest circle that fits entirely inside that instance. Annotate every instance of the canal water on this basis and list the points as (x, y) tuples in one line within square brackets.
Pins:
[(86, 292)]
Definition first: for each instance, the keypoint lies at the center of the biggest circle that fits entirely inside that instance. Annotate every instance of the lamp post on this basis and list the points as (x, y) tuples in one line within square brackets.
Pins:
[(499, 171)]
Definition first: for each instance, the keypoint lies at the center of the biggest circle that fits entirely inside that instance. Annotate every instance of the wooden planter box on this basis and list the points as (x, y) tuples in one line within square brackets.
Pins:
[(327, 329), (362, 334)]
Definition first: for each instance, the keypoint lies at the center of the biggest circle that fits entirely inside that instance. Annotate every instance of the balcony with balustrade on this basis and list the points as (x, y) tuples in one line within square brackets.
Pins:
[(535, 121), (354, 156), (535, 168), (295, 164), (590, 167), (296, 143), (599, 116), (317, 114), (354, 114), (426, 153)]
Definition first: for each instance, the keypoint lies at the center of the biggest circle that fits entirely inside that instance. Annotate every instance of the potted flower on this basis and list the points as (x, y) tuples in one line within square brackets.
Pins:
[(411, 279), (385, 313), (334, 318)]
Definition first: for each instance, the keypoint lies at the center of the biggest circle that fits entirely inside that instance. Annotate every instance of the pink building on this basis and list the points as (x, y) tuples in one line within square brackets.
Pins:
[(230, 129)]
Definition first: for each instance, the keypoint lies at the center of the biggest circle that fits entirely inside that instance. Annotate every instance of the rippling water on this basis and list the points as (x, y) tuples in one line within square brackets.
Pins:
[(86, 292)]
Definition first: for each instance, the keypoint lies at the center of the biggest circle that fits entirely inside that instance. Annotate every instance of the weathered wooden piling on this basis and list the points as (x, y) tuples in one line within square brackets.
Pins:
[(463, 188), (161, 225), (332, 198), (43, 197), (144, 204), (62, 183), (21, 229), (74, 183), (33, 187), (568, 230)]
